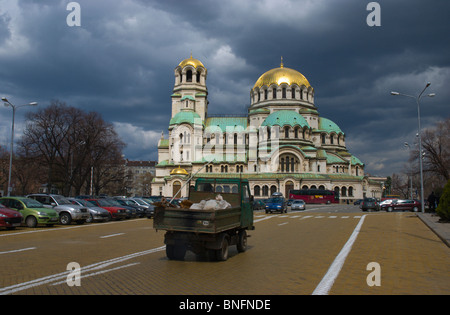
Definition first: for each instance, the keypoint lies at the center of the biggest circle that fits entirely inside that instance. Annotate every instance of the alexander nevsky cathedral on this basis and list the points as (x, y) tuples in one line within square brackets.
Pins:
[(281, 144)]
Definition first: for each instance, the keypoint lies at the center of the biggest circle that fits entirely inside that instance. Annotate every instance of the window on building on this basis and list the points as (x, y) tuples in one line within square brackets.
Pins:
[(274, 93), (283, 92), (189, 76)]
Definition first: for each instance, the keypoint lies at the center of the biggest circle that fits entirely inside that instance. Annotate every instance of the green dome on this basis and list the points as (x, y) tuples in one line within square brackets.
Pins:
[(186, 116), (328, 126), (285, 117)]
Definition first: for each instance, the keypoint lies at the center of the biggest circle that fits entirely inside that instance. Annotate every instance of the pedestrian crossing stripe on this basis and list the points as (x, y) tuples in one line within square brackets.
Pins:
[(307, 216)]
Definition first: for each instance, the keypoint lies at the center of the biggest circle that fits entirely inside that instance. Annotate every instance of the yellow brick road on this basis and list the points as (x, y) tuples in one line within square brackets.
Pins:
[(288, 254)]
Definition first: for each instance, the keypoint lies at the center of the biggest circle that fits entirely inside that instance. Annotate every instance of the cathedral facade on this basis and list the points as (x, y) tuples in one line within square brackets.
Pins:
[(281, 144)]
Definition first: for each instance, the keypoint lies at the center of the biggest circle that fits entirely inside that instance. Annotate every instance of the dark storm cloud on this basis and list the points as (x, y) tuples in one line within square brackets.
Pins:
[(120, 62)]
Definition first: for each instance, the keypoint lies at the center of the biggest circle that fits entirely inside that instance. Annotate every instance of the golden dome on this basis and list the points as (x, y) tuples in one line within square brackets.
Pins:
[(179, 171), (192, 62), (282, 75)]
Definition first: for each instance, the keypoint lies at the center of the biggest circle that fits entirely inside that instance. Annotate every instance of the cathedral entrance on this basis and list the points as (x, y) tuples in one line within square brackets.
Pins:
[(176, 187), (288, 187)]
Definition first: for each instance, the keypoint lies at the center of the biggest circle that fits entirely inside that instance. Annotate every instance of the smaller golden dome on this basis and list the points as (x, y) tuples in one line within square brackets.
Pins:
[(192, 62), (179, 171)]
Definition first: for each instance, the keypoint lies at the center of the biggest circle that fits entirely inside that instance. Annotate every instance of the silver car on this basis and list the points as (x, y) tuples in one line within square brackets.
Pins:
[(96, 213), (298, 205), (67, 211)]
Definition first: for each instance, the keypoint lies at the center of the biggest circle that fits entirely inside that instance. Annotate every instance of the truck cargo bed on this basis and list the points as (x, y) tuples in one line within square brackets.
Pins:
[(199, 221)]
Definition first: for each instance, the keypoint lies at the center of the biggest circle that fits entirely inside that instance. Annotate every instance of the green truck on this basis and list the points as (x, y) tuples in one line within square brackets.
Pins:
[(208, 232)]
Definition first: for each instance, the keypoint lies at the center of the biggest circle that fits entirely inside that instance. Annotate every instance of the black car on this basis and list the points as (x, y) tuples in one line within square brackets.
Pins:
[(369, 204)]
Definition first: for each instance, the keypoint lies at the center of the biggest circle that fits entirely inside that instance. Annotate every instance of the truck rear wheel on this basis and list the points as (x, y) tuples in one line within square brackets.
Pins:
[(222, 253), (175, 252)]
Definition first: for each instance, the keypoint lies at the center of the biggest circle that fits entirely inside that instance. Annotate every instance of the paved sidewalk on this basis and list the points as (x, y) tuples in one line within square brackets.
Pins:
[(441, 229)]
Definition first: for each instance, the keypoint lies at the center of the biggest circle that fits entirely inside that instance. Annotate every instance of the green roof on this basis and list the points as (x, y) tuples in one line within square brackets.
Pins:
[(285, 117), (186, 116), (328, 126), (164, 143), (226, 124)]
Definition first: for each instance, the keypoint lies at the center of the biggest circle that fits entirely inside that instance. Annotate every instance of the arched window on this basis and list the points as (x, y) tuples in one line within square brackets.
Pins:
[(323, 139), (189, 76), (350, 191), (336, 191), (344, 191), (265, 191), (293, 93), (266, 94), (274, 93), (288, 163), (286, 132), (273, 189), (257, 191), (283, 93)]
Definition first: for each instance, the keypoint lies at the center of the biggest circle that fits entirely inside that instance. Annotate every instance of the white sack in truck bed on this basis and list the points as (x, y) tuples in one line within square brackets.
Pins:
[(212, 204)]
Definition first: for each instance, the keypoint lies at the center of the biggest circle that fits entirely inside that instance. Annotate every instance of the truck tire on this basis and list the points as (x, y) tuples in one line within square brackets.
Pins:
[(222, 253), (242, 241), (175, 252)]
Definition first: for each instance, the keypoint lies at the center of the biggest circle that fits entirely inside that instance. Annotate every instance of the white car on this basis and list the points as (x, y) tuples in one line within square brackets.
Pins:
[(298, 205)]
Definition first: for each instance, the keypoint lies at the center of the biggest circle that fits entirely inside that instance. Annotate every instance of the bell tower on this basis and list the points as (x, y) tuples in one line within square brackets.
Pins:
[(190, 91)]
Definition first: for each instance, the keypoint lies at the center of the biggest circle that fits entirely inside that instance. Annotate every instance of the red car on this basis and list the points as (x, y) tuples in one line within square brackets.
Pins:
[(115, 212), (10, 219), (402, 205)]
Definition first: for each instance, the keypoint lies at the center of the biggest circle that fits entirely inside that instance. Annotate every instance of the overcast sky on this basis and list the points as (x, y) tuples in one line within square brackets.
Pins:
[(120, 62)]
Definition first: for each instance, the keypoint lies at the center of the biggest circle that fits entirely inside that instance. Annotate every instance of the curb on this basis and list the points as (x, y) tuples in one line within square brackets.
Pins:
[(442, 230)]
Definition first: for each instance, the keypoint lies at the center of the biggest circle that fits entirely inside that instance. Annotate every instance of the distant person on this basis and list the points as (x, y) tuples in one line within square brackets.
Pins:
[(432, 202)]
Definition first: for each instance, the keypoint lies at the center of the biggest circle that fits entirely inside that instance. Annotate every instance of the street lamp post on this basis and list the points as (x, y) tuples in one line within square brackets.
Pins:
[(410, 175), (420, 137), (7, 103)]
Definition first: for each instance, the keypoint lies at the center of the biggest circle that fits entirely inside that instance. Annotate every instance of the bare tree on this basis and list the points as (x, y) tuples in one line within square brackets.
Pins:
[(68, 142), (436, 146)]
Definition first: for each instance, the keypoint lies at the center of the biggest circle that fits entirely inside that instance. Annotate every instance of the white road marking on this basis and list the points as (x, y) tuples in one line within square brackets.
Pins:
[(63, 275), (283, 223), (17, 250), (111, 235), (327, 281)]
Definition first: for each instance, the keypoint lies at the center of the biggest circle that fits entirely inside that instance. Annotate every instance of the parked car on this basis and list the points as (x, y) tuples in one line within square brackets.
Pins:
[(115, 212), (95, 213), (357, 202), (67, 211), (369, 204), (298, 205), (32, 211), (402, 205), (9, 218), (130, 202), (258, 205), (276, 204), (131, 211)]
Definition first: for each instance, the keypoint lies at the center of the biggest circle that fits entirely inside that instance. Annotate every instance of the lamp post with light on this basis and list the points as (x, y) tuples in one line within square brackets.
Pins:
[(420, 137), (8, 103)]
